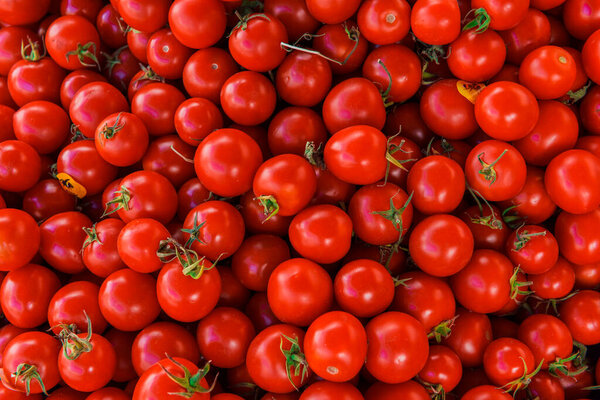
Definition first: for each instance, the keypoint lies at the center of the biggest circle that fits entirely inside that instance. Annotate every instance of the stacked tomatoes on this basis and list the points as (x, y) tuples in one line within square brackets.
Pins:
[(299, 199)]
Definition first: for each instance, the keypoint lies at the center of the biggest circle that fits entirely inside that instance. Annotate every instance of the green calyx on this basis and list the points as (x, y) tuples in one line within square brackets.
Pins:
[(26, 373), (82, 52), (191, 383), (121, 201), (295, 362)]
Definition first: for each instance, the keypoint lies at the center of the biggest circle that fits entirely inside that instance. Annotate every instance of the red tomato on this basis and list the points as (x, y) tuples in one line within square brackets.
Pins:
[(577, 236), (108, 393), (435, 22), (476, 56), (256, 221), (41, 124), (21, 166), (531, 32), (581, 17), (166, 55), (384, 22), (487, 392), (395, 336), (342, 43), (195, 119), (11, 39), (99, 250), (139, 242), (111, 29), (171, 157), (580, 313), (295, 16), (20, 238), (47, 198), (303, 79), (206, 71), (443, 368), (121, 139), (197, 24), (503, 14), (144, 15), (73, 42), (547, 337), (533, 248), (589, 55), (299, 291), (332, 11), (75, 81), (23, 12), (586, 276), (507, 360), (469, 337), (292, 128), (248, 98), (155, 104), (76, 303), (325, 390), (190, 194), (548, 71), (557, 282)]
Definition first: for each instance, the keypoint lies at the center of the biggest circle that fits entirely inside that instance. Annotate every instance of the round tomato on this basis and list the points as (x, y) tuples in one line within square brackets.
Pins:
[(248, 98), (547, 337), (507, 361), (197, 24), (22, 166), (293, 128), (435, 22), (100, 248), (577, 236), (558, 281), (476, 56), (503, 15), (581, 314), (155, 104), (20, 238), (332, 11), (139, 243), (144, 15), (325, 390), (533, 248), (121, 139), (384, 22), (73, 42), (195, 119), (42, 124), (295, 16), (76, 303), (303, 79), (343, 45), (443, 368), (548, 71), (470, 335), (206, 71)]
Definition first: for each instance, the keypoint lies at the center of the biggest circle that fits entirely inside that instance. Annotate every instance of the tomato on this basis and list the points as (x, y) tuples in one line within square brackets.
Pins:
[(588, 111), (255, 42), (139, 242), (299, 291), (394, 336), (224, 336), (128, 300), (73, 42), (332, 11), (258, 310), (532, 32), (36, 352), (476, 56), (166, 55), (47, 198), (121, 68), (363, 288), (41, 124), (577, 236), (195, 119), (273, 357), (496, 170), (357, 155), (547, 337), (255, 219), (89, 369), (484, 284), (248, 98), (155, 104), (7, 333), (35, 79), (87, 9), (437, 184), (206, 71), (303, 79), (111, 29), (586, 276), (99, 250), (197, 24), (11, 38), (121, 139), (354, 101), (435, 22), (401, 63), (190, 194), (544, 384), (557, 282), (171, 157), (574, 192), (75, 81), (381, 214), (581, 18), (256, 259), (292, 128), (443, 368), (144, 15), (9, 394), (589, 55), (533, 248), (487, 392), (580, 313), (6, 117), (76, 303), (294, 15), (157, 384), (108, 393), (409, 390), (233, 293), (548, 71), (226, 162), (137, 42), (21, 166), (23, 12), (62, 236), (325, 390), (342, 43), (20, 238), (446, 112), (151, 344), (503, 14), (507, 360), (384, 22), (441, 245)]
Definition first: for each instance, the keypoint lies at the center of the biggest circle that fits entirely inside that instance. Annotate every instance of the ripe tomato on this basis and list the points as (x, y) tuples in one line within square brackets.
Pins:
[(581, 314), (325, 390), (503, 15), (476, 56), (533, 248), (197, 24), (443, 368), (581, 18), (343, 43), (226, 162), (255, 42), (321, 233), (128, 300), (73, 42), (25, 295), (157, 382), (484, 284), (75, 81), (292, 128), (558, 281), (144, 15), (11, 38), (41, 124), (21, 166), (384, 22), (111, 30), (248, 98), (76, 303), (586, 276), (531, 32), (363, 288), (486, 392), (441, 245), (394, 336), (547, 337), (587, 110), (469, 337), (23, 12), (577, 236), (544, 384), (166, 55), (195, 119), (171, 157), (548, 71), (303, 79), (299, 291), (20, 238), (507, 360), (255, 219), (108, 393), (36, 353), (47, 198), (435, 22), (155, 104), (381, 214), (62, 236), (589, 55), (100, 248), (332, 11), (139, 242), (206, 71), (273, 357), (496, 170), (121, 139), (294, 15)]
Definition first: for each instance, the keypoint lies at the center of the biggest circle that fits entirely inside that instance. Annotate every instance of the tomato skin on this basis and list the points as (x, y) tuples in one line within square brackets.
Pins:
[(248, 98), (547, 337), (538, 254), (580, 313), (138, 243), (548, 71), (325, 390), (144, 15), (234, 149), (101, 256), (10, 45), (291, 129), (508, 175), (557, 282), (544, 384), (443, 367), (155, 104), (128, 300), (435, 22), (589, 116), (255, 43), (357, 155), (20, 237), (195, 119), (294, 15), (155, 384), (303, 79), (587, 276), (577, 237), (589, 55), (108, 393), (395, 336), (384, 22), (483, 285), (338, 42), (532, 32), (581, 18), (33, 348), (22, 166), (129, 142), (75, 81), (255, 219), (23, 12), (35, 80), (162, 157), (507, 359), (259, 311), (504, 15), (79, 31), (68, 304), (111, 33), (446, 112), (476, 57), (25, 294), (487, 392), (409, 390), (299, 290), (62, 236), (41, 124), (197, 24), (205, 72), (441, 245), (266, 362), (363, 288), (9, 394), (166, 55), (7, 333)]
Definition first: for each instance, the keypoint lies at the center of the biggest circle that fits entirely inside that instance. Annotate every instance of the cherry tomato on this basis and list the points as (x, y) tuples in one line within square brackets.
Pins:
[(332, 11), (11, 38), (557, 282), (195, 119), (384, 22), (171, 157), (111, 28), (580, 313), (531, 32), (581, 18), (23, 12), (21, 166), (74, 303), (144, 15), (139, 242), (443, 368), (547, 337), (47, 198), (248, 98), (73, 42), (325, 390), (342, 43), (577, 237), (292, 128), (294, 15), (476, 56), (166, 55), (507, 360), (75, 81), (503, 15), (197, 24), (121, 139), (20, 238), (155, 104), (99, 250), (206, 71), (435, 22)]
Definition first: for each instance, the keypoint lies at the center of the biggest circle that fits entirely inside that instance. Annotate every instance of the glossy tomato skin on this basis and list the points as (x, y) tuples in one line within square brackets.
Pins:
[(303, 79), (483, 285), (62, 237), (22, 166), (294, 15), (476, 56), (75, 81), (507, 359), (548, 71), (111, 32), (138, 243), (23, 12), (10, 43), (342, 43), (435, 22), (256, 221), (363, 288), (195, 119), (581, 248), (395, 336), (248, 98), (267, 364), (145, 16), (25, 295), (409, 390), (299, 290), (443, 368), (292, 128), (589, 56), (369, 225), (325, 390), (68, 304), (99, 253), (587, 110), (586, 276), (42, 124), (547, 337), (441, 245), (206, 71), (155, 384), (166, 55), (170, 156), (356, 154), (20, 238), (486, 392), (131, 291), (80, 32), (580, 313), (428, 299), (446, 112), (558, 281), (581, 18), (155, 104), (531, 32), (197, 24), (234, 149), (151, 344), (332, 11), (121, 139), (384, 22), (533, 248), (35, 80)]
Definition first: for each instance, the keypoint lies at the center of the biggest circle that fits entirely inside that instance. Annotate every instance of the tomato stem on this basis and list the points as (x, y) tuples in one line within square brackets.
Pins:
[(294, 358), (189, 382), (27, 372), (83, 51), (314, 155), (394, 215), (515, 286), (34, 52), (442, 330), (289, 47), (73, 345), (92, 236), (187, 160), (194, 232), (481, 20), (522, 238), (121, 200), (193, 265), (270, 205), (108, 132), (524, 380), (488, 170)]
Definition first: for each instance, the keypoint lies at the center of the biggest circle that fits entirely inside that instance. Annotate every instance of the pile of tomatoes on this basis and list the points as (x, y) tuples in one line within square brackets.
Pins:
[(299, 199)]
